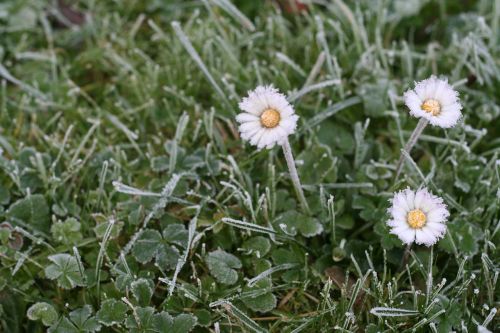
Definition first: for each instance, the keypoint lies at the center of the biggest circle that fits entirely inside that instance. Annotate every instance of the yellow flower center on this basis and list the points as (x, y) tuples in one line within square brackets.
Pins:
[(416, 219), (270, 118), (431, 106)]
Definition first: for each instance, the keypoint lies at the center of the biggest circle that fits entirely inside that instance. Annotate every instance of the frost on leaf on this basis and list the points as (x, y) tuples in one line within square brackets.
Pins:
[(80, 320), (44, 312), (145, 320), (64, 269), (112, 312), (142, 289), (222, 266), (164, 248), (305, 225)]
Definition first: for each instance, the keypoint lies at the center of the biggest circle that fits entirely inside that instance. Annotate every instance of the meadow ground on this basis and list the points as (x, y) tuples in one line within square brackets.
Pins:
[(129, 202)]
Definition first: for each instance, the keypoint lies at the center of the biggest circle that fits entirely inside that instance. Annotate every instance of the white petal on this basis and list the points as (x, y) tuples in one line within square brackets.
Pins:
[(285, 110), (251, 106), (398, 213), (289, 124), (249, 134), (405, 234), (413, 102), (440, 88), (410, 199), (250, 126), (395, 223), (421, 91), (267, 138), (254, 140), (420, 198), (245, 117), (437, 215), (281, 134), (439, 229), (425, 237), (399, 200), (447, 96)]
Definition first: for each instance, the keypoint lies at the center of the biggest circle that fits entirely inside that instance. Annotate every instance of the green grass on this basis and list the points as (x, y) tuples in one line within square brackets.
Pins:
[(134, 205)]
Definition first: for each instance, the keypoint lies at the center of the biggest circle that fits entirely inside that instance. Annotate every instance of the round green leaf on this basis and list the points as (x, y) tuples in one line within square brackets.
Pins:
[(221, 265), (42, 311)]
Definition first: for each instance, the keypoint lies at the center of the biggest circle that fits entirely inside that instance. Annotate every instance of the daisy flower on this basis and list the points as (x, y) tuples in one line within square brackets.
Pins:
[(267, 118), (418, 217), (435, 100)]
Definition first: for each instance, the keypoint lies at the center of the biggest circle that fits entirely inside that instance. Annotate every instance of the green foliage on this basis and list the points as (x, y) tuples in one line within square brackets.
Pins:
[(32, 210), (129, 203), (80, 320), (295, 222), (164, 248), (67, 232), (44, 312), (112, 312), (142, 290), (65, 270), (259, 298), (257, 245), (145, 320), (222, 266), (102, 224)]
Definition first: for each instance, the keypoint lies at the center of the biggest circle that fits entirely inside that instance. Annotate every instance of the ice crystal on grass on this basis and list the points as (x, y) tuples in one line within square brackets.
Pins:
[(128, 201)]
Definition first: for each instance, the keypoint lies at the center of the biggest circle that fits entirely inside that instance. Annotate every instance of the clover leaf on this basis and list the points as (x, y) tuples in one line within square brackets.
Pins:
[(293, 221), (318, 165), (259, 298), (112, 312), (142, 289), (145, 320), (67, 232), (79, 320), (163, 247), (221, 266), (42, 311), (102, 224), (257, 245), (32, 210)]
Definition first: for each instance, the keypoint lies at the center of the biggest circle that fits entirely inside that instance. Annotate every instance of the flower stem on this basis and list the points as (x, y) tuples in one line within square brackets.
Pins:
[(287, 150), (404, 259), (422, 123)]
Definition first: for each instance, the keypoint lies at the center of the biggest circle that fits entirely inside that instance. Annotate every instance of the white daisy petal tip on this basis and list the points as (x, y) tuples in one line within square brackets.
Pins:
[(417, 217), (435, 100), (267, 118)]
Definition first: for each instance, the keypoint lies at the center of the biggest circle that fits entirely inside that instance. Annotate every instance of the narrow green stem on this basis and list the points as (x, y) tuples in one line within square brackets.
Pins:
[(287, 151), (411, 142)]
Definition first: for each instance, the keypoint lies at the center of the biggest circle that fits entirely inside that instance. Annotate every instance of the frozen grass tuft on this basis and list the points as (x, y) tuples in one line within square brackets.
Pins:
[(131, 204)]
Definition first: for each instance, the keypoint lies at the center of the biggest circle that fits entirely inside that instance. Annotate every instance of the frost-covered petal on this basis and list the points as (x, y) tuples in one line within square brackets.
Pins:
[(438, 229), (437, 215), (412, 100), (399, 200), (398, 213), (405, 234), (410, 198), (246, 117), (289, 124), (424, 237), (250, 126), (255, 139)]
